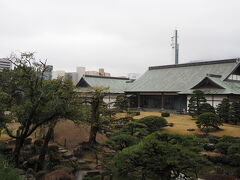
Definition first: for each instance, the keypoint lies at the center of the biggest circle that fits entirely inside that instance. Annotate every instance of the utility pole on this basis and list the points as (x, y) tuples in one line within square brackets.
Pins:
[(175, 46)]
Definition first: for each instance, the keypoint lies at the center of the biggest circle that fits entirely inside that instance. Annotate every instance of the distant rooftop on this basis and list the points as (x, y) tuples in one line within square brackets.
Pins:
[(107, 77), (195, 64)]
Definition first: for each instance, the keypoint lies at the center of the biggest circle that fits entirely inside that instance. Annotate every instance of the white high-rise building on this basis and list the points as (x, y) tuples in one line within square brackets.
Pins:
[(73, 76), (5, 64), (80, 71)]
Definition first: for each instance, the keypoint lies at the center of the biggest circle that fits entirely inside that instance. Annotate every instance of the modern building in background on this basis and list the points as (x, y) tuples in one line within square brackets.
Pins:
[(100, 72), (57, 74), (80, 72), (5, 64), (48, 72), (73, 76)]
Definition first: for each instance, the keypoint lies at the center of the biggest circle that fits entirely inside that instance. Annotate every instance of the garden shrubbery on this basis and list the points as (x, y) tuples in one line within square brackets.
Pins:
[(153, 123), (7, 172), (208, 120), (133, 113), (165, 114)]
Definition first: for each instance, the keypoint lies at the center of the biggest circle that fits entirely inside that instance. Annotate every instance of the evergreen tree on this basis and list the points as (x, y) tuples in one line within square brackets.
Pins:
[(235, 112), (206, 107), (121, 102), (197, 98), (208, 120), (159, 156), (223, 110), (28, 99)]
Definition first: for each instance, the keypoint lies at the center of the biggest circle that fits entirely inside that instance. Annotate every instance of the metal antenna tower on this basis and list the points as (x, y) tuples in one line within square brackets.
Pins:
[(175, 45)]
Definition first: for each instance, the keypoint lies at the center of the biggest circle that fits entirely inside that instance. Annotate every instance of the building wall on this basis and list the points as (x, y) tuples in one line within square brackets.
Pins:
[(80, 71), (73, 76), (5, 64), (57, 74), (110, 98)]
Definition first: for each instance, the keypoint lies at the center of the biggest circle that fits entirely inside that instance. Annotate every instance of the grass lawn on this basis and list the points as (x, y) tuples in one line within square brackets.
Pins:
[(184, 122)]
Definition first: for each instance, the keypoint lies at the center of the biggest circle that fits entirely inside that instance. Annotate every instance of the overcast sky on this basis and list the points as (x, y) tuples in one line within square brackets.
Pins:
[(120, 35)]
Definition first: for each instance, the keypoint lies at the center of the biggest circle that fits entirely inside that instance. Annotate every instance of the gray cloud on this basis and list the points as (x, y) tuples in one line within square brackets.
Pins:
[(121, 35)]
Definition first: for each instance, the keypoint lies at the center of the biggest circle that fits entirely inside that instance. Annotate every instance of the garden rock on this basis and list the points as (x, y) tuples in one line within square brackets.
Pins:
[(62, 150), (209, 147), (78, 152), (73, 158), (67, 155), (82, 162)]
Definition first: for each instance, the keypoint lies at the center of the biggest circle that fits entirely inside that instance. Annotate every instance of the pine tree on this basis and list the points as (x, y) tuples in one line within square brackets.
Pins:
[(223, 110), (235, 112), (197, 98)]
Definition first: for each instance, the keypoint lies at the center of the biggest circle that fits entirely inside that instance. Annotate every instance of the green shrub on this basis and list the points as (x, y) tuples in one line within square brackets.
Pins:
[(153, 123), (135, 127), (7, 172), (40, 174), (218, 159), (165, 114), (133, 113), (222, 147), (206, 107), (3, 145), (233, 149), (234, 160), (208, 120), (125, 119), (58, 167), (230, 139), (121, 141)]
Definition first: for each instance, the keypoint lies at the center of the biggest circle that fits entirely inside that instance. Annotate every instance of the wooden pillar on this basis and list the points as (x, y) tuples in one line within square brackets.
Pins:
[(139, 103), (162, 102)]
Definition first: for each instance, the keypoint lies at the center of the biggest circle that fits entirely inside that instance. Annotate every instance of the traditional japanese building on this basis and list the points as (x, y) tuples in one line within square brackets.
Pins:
[(115, 85), (169, 87)]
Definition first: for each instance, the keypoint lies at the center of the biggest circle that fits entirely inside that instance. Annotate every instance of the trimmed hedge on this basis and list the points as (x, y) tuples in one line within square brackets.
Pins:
[(153, 123), (165, 114), (134, 113)]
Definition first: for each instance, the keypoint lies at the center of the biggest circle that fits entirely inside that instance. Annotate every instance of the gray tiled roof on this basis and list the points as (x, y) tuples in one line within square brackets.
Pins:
[(228, 87), (115, 85), (182, 77)]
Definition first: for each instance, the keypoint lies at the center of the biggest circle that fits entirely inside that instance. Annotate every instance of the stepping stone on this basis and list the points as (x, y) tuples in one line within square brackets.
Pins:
[(73, 158), (82, 162), (67, 155), (62, 150)]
